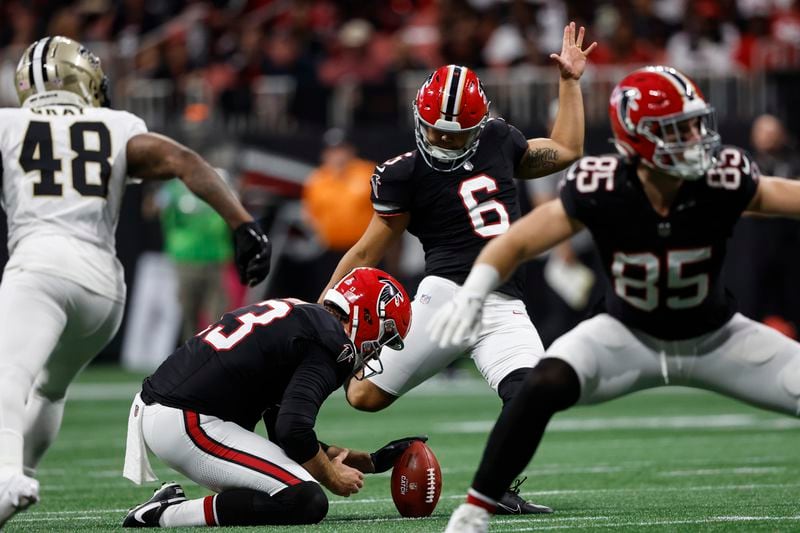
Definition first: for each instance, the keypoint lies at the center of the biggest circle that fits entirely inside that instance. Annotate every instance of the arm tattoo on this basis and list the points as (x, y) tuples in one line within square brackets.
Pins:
[(540, 159)]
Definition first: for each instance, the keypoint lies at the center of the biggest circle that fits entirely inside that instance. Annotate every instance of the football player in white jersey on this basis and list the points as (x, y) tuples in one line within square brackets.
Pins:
[(65, 161)]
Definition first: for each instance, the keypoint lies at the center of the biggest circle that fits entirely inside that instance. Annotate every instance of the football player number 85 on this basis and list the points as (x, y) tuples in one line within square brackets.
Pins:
[(484, 224), (642, 291)]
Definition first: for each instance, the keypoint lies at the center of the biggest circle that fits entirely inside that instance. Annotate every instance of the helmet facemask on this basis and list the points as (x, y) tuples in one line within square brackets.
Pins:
[(684, 159), (367, 356), (444, 159), (376, 312)]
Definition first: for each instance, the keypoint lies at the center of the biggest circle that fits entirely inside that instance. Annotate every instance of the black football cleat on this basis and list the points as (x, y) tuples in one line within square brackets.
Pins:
[(148, 513), (513, 503)]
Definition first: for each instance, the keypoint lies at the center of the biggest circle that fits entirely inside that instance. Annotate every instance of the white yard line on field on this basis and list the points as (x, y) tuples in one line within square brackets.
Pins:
[(437, 386), (723, 471), (543, 523), (95, 514), (634, 422), (653, 523)]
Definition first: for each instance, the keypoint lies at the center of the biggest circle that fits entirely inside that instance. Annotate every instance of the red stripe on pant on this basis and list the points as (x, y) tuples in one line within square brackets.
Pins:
[(217, 449), (208, 510)]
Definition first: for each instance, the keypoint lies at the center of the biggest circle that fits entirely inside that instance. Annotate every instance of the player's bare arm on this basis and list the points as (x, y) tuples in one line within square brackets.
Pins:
[(776, 196), (336, 476), (565, 145), (535, 233), (155, 157), (359, 460), (380, 460), (371, 247)]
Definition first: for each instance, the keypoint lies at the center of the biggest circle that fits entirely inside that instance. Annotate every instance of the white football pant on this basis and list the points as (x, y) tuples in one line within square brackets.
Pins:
[(743, 359), (508, 340), (217, 454), (51, 328)]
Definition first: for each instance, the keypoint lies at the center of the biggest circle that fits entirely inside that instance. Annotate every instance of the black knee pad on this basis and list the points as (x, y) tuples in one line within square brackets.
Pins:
[(304, 503), (510, 384), (307, 501)]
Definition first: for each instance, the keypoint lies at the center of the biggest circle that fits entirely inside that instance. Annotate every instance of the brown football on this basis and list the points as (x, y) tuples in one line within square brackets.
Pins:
[(416, 481)]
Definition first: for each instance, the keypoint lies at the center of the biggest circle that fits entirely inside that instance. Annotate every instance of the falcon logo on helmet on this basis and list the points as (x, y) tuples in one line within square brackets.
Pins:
[(378, 311), (451, 100), (660, 116), (390, 292), (627, 99)]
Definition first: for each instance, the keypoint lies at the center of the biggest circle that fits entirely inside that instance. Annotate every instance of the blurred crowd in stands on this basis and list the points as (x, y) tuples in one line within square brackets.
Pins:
[(324, 43)]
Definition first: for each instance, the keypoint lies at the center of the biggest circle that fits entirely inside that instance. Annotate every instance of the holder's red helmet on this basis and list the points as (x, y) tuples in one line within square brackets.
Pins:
[(379, 312), (450, 100), (659, 115)]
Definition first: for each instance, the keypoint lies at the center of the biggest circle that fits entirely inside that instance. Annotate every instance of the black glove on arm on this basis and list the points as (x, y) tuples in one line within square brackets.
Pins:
[(252, 251), (384, 458)]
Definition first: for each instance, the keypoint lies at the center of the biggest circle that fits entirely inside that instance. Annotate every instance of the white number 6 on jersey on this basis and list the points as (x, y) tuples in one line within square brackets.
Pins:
[(478, 211)]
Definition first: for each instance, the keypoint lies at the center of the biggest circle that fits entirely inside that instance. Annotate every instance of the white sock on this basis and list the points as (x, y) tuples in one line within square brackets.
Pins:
[(10, 452), (42, 422), (199, 512)]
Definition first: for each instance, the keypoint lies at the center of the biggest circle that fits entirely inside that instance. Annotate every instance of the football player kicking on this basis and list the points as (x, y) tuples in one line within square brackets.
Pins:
[(65, 158), (660, 214), (456, 192), (277, 360)]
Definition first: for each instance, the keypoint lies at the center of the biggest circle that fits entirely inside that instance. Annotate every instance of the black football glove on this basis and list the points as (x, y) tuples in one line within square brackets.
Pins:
[(253, 252), (384, 458)]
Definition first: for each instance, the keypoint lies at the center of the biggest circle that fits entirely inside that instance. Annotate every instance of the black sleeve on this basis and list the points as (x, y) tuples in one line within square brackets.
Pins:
[(519, 145), (391, 191), (575, 203), (736, 175), (311, 384)]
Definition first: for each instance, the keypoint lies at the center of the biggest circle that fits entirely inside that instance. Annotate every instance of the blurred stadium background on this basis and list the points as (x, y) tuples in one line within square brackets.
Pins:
[(266, 89)]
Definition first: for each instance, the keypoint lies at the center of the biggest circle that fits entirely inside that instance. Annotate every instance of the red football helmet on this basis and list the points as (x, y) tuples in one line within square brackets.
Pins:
[(379, 313), (451, 100), (660, 115)]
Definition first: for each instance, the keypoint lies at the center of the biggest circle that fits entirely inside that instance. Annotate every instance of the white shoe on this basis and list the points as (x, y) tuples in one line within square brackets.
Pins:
[(17, 493), (468, 518)]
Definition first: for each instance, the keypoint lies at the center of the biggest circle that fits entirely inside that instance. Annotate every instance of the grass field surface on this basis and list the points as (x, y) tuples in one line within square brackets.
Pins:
[(671, 459)]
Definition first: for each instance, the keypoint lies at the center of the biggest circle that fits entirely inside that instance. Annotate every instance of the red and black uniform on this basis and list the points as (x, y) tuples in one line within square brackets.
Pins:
[(278, 354), (454, 214), (664, 271)]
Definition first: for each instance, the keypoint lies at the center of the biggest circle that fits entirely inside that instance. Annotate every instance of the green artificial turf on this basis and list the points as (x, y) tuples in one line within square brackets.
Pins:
[(664, 460)]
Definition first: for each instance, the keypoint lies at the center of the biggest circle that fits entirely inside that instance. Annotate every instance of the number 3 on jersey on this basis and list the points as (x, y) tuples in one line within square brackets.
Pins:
[(37, 156), (221, 342), (478, 211)]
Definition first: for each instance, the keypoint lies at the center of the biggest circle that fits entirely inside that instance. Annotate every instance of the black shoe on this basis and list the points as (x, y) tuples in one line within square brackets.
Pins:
[(513, 503), (148, 513)]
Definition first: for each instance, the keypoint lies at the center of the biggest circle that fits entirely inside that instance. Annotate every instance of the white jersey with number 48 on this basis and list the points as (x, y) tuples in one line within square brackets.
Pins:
[(64, 171)]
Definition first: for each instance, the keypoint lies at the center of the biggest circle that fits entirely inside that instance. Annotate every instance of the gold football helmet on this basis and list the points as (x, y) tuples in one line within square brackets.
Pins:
[(58, 66)]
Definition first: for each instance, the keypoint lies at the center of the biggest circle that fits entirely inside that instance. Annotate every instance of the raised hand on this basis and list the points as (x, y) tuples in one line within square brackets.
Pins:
[(572, 59)]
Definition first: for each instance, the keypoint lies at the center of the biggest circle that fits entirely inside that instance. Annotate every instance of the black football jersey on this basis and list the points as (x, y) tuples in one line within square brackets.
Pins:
[(277, 352), (454, 214), (664, 271)]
